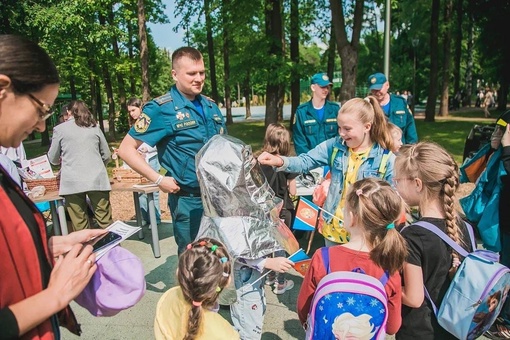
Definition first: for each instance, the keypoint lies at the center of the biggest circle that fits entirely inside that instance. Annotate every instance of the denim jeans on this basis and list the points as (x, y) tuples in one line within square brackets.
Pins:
[(154, 163), (248, 311), (186, 215)]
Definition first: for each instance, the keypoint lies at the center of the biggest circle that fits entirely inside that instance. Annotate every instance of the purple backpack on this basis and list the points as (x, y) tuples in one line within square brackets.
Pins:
[(348, 304)]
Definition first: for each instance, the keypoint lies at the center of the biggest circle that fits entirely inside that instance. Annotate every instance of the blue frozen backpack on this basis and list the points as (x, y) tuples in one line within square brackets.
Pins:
[(477, 292), (348, 304)]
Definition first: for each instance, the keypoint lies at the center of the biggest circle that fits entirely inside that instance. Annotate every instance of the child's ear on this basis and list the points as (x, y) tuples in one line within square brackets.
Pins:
[(5, 83)]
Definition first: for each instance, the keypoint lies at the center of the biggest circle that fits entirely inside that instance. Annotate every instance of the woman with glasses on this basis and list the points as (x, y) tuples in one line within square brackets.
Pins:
[(81, 147), (37, 282)]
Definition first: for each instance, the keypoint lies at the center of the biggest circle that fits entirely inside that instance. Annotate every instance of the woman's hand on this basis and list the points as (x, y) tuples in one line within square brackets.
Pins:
[(71, 273), (59, 245), (278, 264), (268, 159)]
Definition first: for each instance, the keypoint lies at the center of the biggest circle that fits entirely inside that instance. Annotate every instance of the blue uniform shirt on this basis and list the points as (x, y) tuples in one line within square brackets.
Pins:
[(399, 114), (173, 124), (309, 130)]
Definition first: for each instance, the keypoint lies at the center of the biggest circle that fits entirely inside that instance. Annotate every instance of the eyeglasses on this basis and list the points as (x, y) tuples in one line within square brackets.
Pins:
[(45, 110), (396, 180)]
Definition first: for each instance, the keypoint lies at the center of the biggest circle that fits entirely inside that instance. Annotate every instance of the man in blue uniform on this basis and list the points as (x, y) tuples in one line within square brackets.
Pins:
[(178, 123), (315, 120), (395, 107)]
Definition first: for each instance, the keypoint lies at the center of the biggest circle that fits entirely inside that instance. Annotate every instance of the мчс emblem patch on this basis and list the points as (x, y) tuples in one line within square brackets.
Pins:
[(142, 123)]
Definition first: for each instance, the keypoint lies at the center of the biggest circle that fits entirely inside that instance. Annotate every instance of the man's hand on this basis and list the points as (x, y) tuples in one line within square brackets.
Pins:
[(169, 185)]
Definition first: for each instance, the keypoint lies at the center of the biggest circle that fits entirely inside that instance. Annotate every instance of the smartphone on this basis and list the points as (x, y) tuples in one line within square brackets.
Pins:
[(103, 241)]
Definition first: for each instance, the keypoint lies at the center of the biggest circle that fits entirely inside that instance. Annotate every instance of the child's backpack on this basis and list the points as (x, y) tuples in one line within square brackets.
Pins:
[(477, 292), (348, 304)]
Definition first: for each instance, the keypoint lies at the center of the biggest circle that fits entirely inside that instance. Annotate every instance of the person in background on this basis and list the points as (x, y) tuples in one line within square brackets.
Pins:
[(186, 311), (179, 123), (315, 120), (37, 281), (81, 147), (396, 134), (150, 155), (371, 212), (277, 142), (395, 107), (427, 176), (361, 150)]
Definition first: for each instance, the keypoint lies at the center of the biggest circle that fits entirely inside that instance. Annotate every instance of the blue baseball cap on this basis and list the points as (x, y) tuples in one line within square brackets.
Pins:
[(376, 81), (321, 79)]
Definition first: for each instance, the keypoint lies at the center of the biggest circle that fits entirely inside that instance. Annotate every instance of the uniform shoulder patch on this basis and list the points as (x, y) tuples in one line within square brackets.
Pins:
[(142, 123), (163, 99), (208, 98)]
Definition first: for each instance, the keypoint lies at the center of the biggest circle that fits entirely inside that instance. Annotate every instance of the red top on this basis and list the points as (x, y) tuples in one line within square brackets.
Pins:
[(345, 259)]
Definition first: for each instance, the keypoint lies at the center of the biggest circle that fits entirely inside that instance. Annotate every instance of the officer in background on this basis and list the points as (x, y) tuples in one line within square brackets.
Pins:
[(178, 123), (315, 120), (395, 107)]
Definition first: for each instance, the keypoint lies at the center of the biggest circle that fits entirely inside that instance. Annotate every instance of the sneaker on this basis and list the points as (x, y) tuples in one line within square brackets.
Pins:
[(282, 288)]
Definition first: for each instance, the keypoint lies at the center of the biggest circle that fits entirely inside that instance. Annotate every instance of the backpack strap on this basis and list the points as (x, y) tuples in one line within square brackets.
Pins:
[(333, 155), (384, 163), (447, 239), (325, 258)]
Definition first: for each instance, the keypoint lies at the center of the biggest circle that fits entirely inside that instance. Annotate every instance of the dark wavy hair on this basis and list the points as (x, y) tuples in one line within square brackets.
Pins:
[(81, 113), (28, 66), (133, 102)]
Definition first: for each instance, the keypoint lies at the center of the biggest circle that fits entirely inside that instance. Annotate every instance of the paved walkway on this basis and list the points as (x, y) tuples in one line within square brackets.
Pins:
[(137, 323)]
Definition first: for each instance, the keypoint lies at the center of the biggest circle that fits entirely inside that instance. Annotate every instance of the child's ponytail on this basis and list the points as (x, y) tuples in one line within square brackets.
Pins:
[(377, 208), (380, 131)]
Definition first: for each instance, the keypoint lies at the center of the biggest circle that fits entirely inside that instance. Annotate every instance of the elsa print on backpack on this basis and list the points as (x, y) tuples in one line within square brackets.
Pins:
[(358, 294)]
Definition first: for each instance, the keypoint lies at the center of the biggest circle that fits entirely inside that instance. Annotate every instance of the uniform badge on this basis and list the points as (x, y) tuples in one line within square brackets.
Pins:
[(187, 115), (325, 77), (373, 80), (179, 115), (221, 131), (142, 123)]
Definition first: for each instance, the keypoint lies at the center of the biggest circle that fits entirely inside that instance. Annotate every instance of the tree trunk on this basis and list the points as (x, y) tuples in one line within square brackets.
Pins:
[(132, 80), (225, 13), (210, 51), (430, 108), (120, 78), (295, 91), (72, 87), (348, 51), (144, 51), (469, 61), (331, 57), (99, 106), (502, 95), (458, 46), (274, 34), (246, 94), (447, 35)]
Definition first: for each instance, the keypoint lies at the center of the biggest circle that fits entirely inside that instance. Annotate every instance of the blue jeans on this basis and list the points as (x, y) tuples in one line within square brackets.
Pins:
[(186, 215), (248, 311), (154, 163)]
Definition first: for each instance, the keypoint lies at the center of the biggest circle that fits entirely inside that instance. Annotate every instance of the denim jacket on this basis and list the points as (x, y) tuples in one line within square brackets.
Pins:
[(320, 156)]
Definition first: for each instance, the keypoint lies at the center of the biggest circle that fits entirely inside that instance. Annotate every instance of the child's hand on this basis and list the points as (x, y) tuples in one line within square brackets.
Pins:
[(279, 264)]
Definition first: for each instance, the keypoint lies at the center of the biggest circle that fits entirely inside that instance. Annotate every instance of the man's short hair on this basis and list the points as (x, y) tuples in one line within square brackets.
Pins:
[(188, 52)]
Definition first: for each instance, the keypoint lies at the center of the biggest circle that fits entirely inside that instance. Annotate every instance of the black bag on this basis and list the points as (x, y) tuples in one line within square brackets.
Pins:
[(478, 137)]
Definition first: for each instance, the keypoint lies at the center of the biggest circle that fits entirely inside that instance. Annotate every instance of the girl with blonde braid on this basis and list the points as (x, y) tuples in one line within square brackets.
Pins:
[(186, 311), (426, 176)]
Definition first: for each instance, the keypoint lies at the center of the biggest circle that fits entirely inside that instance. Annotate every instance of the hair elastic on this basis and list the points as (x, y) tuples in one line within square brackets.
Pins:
[(225, 274), (189, 246), (367, 100), (390, 226), (196, 303), (202, 243), (359, 192), (223, 259), (213, 248), (218, 289)]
